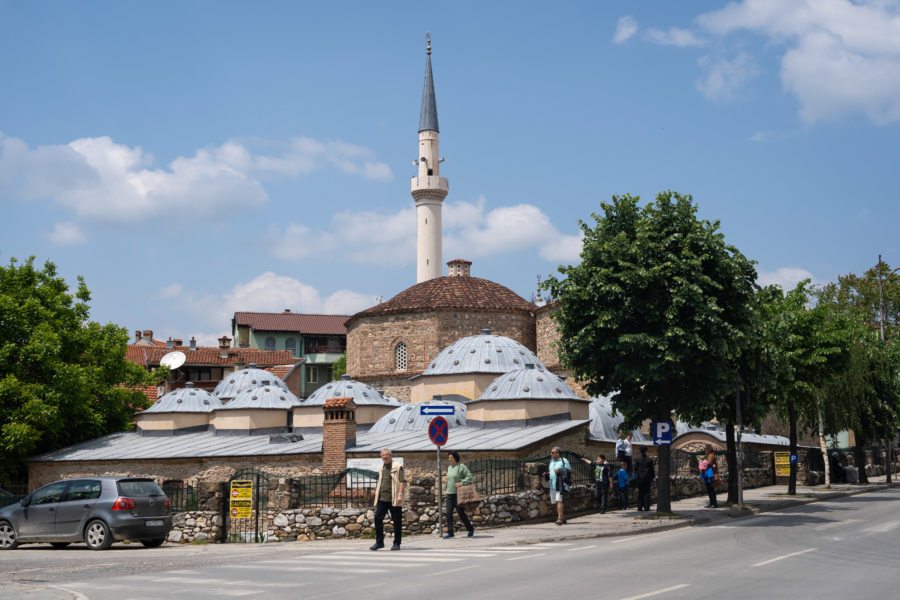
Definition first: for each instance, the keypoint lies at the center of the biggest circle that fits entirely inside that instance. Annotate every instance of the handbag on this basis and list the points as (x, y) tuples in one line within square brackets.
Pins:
[(467, 495)]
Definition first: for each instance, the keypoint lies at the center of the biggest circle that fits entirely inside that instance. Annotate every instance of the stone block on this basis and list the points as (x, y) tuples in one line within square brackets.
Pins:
[(280, 521), (175, 536), (313, 521)]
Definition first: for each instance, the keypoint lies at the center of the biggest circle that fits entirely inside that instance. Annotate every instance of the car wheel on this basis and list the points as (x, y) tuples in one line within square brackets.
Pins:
[(97, 536), (60, 544), (8, 539), (154, 543)]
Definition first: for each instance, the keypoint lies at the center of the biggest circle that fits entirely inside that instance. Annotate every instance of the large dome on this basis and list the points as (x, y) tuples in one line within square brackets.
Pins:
[(605, 423), (409, 417), (265, 396), (450, 293), (484, 353), (362, 394), (185, 400), (246, 379), (530, 383)]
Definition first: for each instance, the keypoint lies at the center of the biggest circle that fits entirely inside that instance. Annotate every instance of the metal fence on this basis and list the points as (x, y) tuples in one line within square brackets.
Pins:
[(10, 493), (183, 495), (349, 488)]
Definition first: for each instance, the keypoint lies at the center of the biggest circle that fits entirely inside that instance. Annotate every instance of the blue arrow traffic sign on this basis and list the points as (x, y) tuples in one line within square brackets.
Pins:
[(437, 410), (439, 431)]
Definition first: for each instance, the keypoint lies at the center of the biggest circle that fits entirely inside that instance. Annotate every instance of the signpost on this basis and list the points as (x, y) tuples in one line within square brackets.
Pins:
[(438, 433), (448, 410), (662, 433), (241, 499)]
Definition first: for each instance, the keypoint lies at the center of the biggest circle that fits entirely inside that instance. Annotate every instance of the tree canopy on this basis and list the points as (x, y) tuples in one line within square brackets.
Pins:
[(62, 376), (656, 314)]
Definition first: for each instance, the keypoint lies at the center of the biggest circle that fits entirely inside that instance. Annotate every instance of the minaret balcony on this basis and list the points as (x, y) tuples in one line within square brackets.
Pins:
[(429, 183)]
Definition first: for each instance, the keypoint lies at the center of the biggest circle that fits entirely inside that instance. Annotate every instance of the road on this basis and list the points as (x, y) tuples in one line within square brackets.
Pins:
[(846, 547)]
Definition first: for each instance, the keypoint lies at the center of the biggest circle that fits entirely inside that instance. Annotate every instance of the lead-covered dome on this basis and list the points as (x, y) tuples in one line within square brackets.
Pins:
[(266, 396), (185, 400), (529, 383), (484, 353), (246, 379), (409, 417), (605, 423), (362, 394)]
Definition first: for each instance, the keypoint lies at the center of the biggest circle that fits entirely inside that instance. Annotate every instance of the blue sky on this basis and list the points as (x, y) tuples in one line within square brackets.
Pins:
[(191, 159)]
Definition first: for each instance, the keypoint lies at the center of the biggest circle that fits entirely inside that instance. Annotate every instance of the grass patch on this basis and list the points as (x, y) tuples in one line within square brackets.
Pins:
[(197, 542)]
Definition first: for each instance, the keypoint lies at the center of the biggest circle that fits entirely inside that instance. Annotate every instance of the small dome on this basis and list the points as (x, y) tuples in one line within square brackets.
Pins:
[(266, 396), (534, 383), (185, 400), (362, 394), (245, 379), (410, 418), (484, 353), (605, 423)]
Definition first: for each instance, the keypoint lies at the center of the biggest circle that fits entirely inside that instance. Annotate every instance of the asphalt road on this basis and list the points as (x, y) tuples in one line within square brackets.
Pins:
[(847, 547)]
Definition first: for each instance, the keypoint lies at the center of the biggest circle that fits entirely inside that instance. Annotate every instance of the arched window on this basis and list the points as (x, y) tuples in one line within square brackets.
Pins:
[(400, 357), (291, 344), (270, 343)]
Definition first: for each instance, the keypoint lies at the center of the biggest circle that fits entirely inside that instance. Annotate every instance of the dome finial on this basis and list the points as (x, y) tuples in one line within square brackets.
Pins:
[(428, 37)]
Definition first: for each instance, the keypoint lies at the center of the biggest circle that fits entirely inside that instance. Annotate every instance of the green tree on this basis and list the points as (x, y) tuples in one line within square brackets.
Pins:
[(60, 373), (339, 367), (656, 313)]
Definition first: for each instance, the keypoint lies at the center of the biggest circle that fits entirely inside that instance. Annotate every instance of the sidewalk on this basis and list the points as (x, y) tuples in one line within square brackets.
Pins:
[(690, 512)]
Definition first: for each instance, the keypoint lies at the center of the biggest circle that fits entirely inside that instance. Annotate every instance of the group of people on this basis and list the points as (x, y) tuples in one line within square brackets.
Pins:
[(391, 480)]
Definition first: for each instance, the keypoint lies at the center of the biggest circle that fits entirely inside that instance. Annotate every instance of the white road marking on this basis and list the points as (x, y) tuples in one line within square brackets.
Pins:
[(505, 549), (78, 595), (345, 591), (582, 548), (884, 527), (451, 571), (835, 524), (527, 556), (399, 557), (301, 567), (782, 557), (657, 592)]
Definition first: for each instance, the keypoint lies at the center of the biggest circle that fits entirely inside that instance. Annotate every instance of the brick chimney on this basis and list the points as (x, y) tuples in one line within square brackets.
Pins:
[(193, 343), (137, 336), (148, 334), (224, 343), (338, 433), (178, 342)]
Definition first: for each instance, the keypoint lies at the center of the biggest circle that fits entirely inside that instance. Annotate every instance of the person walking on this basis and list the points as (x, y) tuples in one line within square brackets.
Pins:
[(622, 484), (389, 498), (623, 449), (602, 479), (644, 474), (558, 469), (458, 475), (709, 473)]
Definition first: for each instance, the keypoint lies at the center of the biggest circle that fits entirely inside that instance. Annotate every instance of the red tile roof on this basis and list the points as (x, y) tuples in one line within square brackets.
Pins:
[(207, 356), (338, 402), (151, 391), (308, 324), (281, 371), (451, 293)]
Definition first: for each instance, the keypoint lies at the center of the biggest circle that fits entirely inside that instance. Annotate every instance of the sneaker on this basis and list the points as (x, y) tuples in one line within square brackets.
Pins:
[(376, 546), (471, 533), (448, 536), (395, 547)]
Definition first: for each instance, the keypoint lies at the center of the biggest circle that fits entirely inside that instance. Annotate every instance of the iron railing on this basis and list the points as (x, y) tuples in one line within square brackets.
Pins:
[(349, 488), (183, 495), (10, 493)]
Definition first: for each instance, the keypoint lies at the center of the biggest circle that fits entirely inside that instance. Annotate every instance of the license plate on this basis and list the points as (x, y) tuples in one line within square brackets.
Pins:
[(157, 523)]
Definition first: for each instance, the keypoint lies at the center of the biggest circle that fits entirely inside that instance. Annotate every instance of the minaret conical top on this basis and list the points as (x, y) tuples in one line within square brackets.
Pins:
[(428, 119)]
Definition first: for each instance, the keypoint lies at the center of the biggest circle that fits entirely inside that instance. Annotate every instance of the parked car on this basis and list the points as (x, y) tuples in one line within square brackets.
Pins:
[(96, 510)]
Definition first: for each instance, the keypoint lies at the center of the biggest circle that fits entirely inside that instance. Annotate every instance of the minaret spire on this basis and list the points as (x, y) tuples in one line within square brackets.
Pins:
[(428, 188)]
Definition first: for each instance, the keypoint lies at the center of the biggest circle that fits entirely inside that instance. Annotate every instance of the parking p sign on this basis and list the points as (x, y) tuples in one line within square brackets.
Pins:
[(662, 433)]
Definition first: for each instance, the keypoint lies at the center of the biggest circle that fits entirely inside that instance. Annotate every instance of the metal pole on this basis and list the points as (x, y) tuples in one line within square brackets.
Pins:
[(740, 462), (881, 282), (440, 494)]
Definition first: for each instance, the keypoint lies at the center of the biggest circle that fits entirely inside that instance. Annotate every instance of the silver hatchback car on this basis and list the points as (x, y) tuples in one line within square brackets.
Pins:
[(96, 510)]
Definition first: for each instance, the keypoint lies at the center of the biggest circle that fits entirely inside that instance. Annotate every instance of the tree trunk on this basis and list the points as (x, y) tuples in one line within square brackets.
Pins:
[(824, 449), (859, 457), (663, 493), (731, 461), (792, 420)]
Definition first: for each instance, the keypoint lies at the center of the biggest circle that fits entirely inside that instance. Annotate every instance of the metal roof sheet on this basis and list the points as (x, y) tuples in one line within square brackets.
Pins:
[(483, 353), (186, 400), (717, 431), (428, 118), (534, 383), (605, 423), (267, 396), (246, 379), (409, 418), (293, 322), (362, 394)]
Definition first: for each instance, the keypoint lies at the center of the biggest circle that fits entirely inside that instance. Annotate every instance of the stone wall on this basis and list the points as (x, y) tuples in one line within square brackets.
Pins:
[(547, 336)]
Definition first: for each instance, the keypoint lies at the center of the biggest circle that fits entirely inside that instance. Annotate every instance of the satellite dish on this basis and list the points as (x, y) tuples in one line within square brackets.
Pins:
[(173, 360)]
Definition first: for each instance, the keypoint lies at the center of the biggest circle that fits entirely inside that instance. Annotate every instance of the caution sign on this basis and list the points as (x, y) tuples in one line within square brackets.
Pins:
[(782, 464), (241, 499)]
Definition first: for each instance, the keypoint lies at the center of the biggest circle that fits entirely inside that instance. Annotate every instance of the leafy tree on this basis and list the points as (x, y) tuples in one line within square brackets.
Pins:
[(656, 313), (60, 374), (339, 367)]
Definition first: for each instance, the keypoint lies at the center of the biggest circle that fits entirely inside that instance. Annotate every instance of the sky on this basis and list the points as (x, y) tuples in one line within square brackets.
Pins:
[(192, 159)]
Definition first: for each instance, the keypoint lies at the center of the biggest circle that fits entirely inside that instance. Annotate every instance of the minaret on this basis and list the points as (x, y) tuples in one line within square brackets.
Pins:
[(428, 187)]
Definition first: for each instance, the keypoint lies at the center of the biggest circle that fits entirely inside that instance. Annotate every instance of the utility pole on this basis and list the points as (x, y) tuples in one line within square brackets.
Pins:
[(740, 454), (882, 281)]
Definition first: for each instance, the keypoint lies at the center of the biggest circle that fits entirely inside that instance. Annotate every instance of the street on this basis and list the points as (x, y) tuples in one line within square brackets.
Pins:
[(828, 549)]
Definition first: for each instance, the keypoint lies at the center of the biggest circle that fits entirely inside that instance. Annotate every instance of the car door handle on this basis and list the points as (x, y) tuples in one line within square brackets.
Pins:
[(51, 509), (86, 506)]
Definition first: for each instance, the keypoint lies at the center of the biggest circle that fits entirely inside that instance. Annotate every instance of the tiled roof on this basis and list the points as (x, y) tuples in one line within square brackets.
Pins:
[(309, 324), (338, 402), (206, 356), (450, 293), (282, 371), (151, 391)]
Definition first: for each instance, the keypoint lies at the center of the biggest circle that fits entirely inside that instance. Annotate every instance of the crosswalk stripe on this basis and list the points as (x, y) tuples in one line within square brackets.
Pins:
[(409, 556), (302, 567)]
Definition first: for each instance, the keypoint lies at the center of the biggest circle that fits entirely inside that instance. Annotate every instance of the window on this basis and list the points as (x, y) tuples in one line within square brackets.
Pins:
[(291, 344), (400, 357), (49, 494), (136, 488), (270, 343), (83, 490), (312, 375)]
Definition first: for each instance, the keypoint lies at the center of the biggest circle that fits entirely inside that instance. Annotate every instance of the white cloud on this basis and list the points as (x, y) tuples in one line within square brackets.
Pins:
[(674, 36), (66, 234), (840, 56), (723, 77), (786, 277), (469, 231), (172, 290), (101, 181), (626, 27)]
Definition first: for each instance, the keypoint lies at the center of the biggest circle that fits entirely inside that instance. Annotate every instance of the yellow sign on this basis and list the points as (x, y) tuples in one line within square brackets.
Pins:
[(241, 499), (782, 464)]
